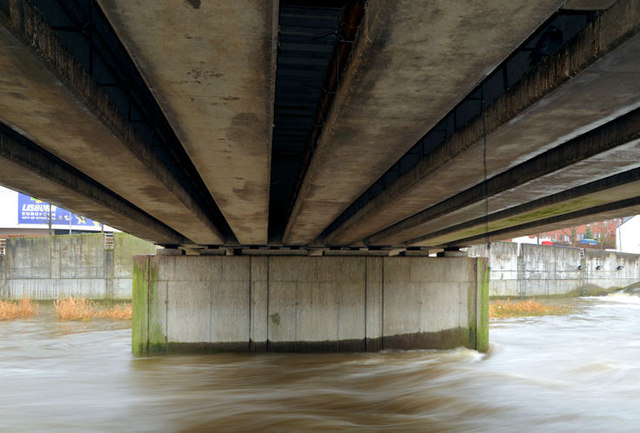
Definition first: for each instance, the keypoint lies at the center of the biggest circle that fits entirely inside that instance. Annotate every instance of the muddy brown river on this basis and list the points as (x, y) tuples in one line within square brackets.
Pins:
[(574, 373)]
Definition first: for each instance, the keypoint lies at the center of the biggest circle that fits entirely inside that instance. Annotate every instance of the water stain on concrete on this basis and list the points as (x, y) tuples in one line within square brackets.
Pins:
[(193, 3), (275, 319), (243, 129)]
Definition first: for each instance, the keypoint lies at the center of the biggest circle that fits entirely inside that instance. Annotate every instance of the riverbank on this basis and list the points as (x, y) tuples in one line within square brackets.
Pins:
[(499, 309), (79, 309)]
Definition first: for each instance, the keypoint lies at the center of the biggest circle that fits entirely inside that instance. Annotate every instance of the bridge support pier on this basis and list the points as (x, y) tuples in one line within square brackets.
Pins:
[(302, 304)]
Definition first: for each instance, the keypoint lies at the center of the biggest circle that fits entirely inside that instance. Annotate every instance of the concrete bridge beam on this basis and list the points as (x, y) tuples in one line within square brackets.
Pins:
[(50, 99), (605, 199), (551, 220), (412, 62), (569, 94), (27, 168), (599, 155), (211, 67)]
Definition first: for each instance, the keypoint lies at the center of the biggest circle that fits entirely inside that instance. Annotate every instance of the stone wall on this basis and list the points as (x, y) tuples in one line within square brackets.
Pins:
[(53, 267), (209, 303), (542, 270)]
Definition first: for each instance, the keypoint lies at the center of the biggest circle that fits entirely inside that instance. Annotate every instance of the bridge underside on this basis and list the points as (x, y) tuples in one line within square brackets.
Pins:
[(338, 127)]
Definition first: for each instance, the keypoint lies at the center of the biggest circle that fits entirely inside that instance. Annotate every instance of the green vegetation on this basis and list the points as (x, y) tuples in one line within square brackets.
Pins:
[(139, 325), (588, 234), (482, 339)]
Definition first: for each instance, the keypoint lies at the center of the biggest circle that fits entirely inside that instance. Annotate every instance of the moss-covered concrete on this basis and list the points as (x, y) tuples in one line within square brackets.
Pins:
[(125, 246), (593, 290), (472, 310), (139, 308), (482, 334), (156, 309), (525, 217)]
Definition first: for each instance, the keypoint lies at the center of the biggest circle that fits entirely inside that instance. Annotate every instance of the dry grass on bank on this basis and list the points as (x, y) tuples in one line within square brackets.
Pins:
[(505, 309), (115, 312), (83, 309), (22, 309)]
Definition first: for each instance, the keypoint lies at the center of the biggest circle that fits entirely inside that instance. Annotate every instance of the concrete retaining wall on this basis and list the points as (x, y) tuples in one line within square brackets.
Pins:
[(610, 270), (53, 267), (187, 303), (541, 270)]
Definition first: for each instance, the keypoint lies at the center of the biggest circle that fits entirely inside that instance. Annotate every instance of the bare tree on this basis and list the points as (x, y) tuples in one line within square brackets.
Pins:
[(572, 233)]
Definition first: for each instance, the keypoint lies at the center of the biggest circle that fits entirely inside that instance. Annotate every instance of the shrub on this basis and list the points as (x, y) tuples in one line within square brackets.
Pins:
[(21, 309), (116, 312), (74, 308), (83, 309), (504, 309)]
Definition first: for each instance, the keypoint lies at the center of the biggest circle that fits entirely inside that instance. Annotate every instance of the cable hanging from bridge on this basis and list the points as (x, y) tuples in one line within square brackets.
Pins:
[(484, 166)]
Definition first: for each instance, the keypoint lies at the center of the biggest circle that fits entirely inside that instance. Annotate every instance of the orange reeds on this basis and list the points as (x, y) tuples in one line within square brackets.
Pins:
[(74, 308), (504, 309), (115, 312), (21, 309), (83, 309)]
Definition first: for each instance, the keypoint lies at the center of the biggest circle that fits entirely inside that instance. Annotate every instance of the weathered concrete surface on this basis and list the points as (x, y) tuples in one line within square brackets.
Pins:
[(606, 151), (505, 276), (316, 301), (211, 67), (607, 270), (588, 5), (537, 115), (586, 216), (439, 51), (422, 301), (50, 111), (373, 118), (540, 270), (54, 267), (374, 301), (212, 303), (25, 168), (548, 271), (605, 199)]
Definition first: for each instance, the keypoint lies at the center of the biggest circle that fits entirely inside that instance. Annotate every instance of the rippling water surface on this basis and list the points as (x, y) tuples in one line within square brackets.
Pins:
[(553, 374)]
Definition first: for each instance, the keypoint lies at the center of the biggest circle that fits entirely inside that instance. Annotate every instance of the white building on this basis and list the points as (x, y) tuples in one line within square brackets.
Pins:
[(24, 215), (628, 236), (531, 239)]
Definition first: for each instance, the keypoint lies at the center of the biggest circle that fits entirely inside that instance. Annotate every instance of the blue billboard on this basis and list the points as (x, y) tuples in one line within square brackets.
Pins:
[(34, 211)]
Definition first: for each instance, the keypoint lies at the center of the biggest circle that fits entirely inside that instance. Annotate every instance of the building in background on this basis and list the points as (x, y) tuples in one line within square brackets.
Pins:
[(598, 235), (22, 215), (628, 235)]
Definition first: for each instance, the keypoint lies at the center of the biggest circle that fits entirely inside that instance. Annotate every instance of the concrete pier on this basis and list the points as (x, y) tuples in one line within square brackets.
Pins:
[(302, 304)]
